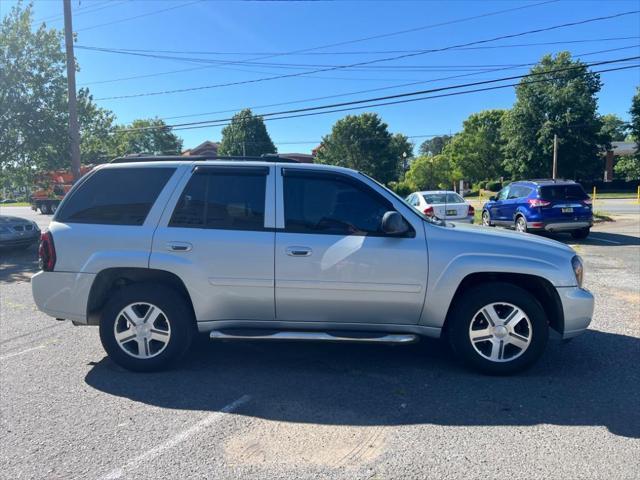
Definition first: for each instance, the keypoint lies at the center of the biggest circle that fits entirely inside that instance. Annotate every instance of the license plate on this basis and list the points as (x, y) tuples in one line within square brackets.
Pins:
[(567, 210), (452, 212)]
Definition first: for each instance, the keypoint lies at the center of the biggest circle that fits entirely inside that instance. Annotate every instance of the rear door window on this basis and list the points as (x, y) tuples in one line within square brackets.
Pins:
[(115, 196), (227, 199), (562, 192)]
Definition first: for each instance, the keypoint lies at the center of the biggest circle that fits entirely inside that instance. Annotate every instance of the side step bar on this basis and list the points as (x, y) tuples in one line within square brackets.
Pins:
[(359, 337)]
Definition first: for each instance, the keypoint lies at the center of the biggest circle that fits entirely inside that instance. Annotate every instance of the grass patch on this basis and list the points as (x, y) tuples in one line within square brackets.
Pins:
[(599, 216), (612, 195), (17, 204)]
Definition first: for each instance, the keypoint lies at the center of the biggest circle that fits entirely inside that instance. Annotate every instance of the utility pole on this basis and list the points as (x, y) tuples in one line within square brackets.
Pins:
[(555, 156), (74, 129)]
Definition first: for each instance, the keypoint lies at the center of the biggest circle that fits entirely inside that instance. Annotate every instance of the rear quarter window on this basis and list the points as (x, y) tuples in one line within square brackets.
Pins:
[(115, 196)]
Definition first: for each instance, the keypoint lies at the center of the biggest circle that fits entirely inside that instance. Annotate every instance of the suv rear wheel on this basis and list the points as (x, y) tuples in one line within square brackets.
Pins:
[(498, 328), (146, 327), (521, 224), (581, 234)]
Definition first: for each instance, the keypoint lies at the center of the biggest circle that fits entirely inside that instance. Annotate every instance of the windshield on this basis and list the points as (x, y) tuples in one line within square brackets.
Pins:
[(435, 221), (444, 197)]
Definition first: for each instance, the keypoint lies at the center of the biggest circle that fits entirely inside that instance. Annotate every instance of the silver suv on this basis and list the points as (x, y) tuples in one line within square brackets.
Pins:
[(156, 249)]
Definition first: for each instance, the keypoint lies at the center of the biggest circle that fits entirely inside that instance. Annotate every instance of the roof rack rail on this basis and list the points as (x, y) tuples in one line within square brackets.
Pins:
[(550, 180), (145, 157)]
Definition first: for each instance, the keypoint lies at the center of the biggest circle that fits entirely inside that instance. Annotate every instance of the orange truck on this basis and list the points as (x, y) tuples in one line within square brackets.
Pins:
[(51, 187)]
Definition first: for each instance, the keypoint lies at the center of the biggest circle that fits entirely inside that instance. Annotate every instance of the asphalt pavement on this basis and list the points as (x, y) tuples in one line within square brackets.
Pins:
[(279, 410)]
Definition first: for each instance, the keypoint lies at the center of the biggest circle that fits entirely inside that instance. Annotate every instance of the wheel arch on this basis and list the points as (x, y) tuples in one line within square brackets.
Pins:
[(110, 280), (541, 288)]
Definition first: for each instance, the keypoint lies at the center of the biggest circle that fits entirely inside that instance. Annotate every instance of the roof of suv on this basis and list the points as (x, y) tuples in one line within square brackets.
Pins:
[(141, 158), (545, 181)]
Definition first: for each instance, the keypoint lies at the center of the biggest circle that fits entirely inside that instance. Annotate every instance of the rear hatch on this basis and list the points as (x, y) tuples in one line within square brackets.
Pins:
[(567, 203), (448, 211)]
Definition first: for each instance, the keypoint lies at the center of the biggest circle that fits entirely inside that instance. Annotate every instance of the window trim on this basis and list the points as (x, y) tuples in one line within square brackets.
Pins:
[(221, 170), (340, 177)]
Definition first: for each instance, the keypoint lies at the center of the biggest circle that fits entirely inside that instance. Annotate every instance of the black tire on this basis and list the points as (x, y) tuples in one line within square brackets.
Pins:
[(53, 208), (44, 208), (486, 219), (581, 234), (520, 224), (464, 312), (178, 315)]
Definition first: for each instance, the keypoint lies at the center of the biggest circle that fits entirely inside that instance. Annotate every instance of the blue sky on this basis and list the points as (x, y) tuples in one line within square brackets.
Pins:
[(249, 30)]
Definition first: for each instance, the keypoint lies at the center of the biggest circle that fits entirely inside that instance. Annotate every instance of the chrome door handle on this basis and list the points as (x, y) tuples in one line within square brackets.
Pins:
[(179, 246), (299, 251)]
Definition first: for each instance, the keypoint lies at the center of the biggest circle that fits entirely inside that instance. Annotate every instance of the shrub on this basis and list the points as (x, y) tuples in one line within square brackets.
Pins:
[(494, 185), (403, 189)]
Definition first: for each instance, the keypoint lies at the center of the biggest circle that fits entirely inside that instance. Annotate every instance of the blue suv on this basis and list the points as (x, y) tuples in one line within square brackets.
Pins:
[(541, 205)]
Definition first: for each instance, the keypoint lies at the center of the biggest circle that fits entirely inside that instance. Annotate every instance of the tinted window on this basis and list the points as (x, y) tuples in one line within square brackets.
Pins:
[(437, 198), (519, 191), (332, 205), (115, 196), (503, 193), (224, 201), (562, 192)]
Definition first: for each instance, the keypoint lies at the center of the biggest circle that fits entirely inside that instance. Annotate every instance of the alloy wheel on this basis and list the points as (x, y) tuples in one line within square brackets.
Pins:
[(521, 225), (486, 221), (500, 332), (142, 330)]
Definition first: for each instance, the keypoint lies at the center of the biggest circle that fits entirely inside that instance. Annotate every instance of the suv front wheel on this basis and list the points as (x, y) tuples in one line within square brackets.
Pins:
[(146, 327), (498, 328)]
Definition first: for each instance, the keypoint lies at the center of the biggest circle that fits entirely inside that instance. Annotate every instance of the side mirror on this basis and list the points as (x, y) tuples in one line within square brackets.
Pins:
[(493, 198), (394, 224)]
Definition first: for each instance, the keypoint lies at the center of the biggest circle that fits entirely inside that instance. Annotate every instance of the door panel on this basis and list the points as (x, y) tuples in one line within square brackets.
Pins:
[(362, 277), (219, 240)]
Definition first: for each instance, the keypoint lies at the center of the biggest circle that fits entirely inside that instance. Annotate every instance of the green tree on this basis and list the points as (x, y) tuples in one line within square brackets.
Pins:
[(555, 102), (401, 148), (146, 136), (435, 145), (363, 142), (430, 172), (629, 167), (477, 152), (246, 135), (97, 142), (614, 129), (33, 130)]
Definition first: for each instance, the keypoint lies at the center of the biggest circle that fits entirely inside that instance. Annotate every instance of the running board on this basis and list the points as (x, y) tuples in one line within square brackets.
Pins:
[(359, 337)]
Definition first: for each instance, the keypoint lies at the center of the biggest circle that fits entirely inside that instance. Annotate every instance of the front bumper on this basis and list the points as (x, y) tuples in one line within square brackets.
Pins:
[(577, 306), (15, 240)]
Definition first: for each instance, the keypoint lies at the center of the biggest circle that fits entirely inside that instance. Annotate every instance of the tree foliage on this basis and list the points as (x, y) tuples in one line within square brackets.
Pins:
[(629, 167), (614, 129), (246, 135), (477, 152), (146, 136), (435, 145), (430, 172), (555, 102), (363, 142)]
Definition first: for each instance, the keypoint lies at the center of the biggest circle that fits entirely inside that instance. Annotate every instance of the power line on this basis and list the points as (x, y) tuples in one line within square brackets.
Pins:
[(451, 94), (368, 101), (359, 52), (370, 90), (113, 22), (183, 70), (369, 62)]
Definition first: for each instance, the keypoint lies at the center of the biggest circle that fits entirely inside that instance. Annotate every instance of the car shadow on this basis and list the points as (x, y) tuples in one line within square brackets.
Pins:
[(591, 381), (598, 238), (18, 264)]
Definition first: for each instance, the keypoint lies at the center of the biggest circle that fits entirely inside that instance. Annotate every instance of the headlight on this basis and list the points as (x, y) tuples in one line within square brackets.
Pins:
[(578, 269)]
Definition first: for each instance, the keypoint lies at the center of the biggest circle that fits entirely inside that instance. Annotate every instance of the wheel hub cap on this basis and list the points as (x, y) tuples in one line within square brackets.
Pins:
[(500, 332), (142, 330)]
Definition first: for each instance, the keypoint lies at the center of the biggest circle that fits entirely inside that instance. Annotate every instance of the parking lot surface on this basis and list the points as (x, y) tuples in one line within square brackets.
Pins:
[(279, 410)]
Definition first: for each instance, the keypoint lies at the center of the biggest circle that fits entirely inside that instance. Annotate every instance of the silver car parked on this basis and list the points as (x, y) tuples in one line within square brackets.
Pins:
[(18, 232), (443, 204), (155, 249)]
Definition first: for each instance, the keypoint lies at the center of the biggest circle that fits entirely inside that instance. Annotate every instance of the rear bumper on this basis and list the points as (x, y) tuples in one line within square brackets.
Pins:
[(62, 294), (558, 226), (465, 220), (577, 306)]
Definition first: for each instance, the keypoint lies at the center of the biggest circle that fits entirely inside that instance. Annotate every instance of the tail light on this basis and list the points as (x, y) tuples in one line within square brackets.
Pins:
[(472, 211), (47, 252), (428, 211), (538, 202), (587, 201)]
